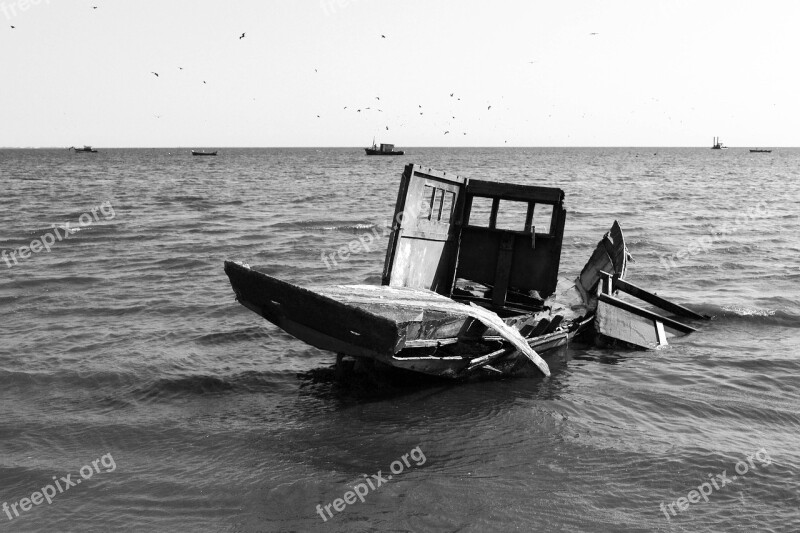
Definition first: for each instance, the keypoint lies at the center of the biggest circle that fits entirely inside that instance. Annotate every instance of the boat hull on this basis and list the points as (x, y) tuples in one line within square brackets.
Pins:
[(371, 151), (411, 329)]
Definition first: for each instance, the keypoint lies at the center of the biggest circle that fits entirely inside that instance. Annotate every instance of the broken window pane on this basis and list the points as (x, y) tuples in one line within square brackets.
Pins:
[(447, 207), (427, 202), (481, 211), (542, 215), (511, 215)]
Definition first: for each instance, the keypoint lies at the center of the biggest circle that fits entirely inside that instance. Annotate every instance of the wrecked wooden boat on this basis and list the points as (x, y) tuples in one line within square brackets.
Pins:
[(470, 286)]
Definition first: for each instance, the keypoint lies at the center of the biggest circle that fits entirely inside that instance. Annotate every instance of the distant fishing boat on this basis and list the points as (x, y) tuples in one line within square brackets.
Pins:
[(718, 145), (196, 152), (759, 151), (85, 148), (383, 149)]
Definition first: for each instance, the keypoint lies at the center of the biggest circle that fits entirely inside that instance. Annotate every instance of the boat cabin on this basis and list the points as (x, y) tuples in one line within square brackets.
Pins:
[(495, 244)]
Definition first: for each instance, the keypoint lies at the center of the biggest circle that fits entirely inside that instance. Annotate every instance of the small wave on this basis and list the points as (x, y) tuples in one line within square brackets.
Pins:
[(203, 385), (347, 226), (213, 339), (734, 313), (742, 310)]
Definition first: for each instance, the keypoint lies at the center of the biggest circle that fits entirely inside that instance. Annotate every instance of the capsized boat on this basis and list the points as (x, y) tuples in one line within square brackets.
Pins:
[(470, 286)]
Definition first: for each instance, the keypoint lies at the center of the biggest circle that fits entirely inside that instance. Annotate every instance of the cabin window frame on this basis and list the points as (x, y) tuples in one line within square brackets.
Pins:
[(528, 227)]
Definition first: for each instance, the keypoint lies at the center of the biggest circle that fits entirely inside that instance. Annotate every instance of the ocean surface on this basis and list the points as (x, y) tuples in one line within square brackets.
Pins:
[(136, 388)]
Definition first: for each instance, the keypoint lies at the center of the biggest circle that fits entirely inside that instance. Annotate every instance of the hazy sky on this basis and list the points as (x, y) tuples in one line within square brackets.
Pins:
[(569, 73)]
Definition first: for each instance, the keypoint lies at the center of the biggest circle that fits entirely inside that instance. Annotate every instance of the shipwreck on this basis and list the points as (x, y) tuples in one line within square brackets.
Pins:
[(470, 287)]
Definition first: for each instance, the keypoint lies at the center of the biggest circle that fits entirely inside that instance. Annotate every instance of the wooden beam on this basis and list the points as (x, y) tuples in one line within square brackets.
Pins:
[(658, 301), (503, 270), (511, 191)]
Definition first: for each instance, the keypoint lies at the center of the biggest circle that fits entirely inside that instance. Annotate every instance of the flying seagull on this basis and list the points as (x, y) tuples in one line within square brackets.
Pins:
[(241, 36), (488, 108), (156, 73), (12, 27), (383, 37)]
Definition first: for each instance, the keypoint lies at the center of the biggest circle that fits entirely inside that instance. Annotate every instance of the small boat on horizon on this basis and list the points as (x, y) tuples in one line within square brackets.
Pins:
[(717, 145), (86, 148), (202, 152), (383, 149), (760, 151)]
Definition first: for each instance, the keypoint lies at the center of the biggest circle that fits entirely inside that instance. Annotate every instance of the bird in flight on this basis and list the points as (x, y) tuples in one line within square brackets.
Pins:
[(488, 108), (156, 73), (594, 33), (377, 98), (180, 68), (94, 7), (387, 128), (241, 36), (448, 131), (204, 81), (383, 37), (451, 95), (12, 27)]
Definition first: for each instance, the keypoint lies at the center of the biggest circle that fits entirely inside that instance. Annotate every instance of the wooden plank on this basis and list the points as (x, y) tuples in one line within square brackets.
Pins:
[(660, 333), (493, 214), (620, 324), (502, 274), (658, 301), (635, 309), (618, 251)]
